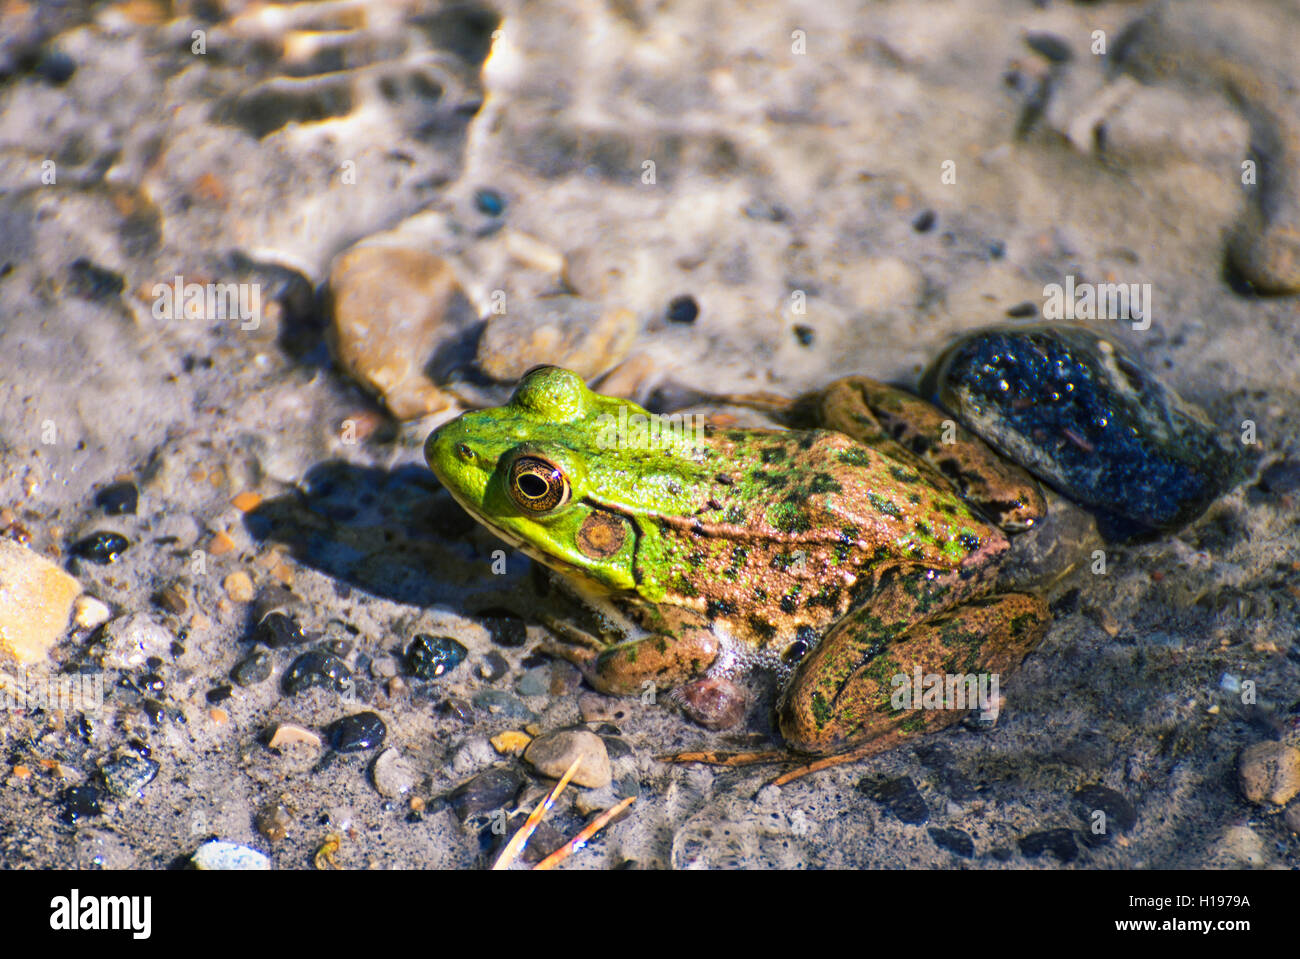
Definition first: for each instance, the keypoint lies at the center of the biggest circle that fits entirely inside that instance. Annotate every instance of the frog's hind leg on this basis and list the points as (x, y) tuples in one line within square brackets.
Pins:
[(908, 428), (854, 695)]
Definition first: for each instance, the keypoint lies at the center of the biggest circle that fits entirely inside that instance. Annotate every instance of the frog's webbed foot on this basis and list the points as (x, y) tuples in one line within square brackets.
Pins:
[(912, 430)]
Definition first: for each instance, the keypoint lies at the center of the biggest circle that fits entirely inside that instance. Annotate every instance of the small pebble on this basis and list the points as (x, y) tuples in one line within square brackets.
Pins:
[(1059, 842), (490, 790), (118, 499), (1281, 478), (218, 694), (252, 669), (79, 802), (127, 774), (1269, 772), (924, 221), (357, 733), (714, 703), (102, 547), (1119, 812), (316, 668), (804, 335), (595, 708), (534, 682), (239, 587), (288, 734), (88, 281), (393, 774), (278, 630), (511, 742), (493, 666), (505, 628), (273, 821), (129, 641), (553, 753), (88, 612), (956, 841), (683, 309), (1050, 46), (489, 202), (900, 796), (221, 855), (428, 657), (172, 598)]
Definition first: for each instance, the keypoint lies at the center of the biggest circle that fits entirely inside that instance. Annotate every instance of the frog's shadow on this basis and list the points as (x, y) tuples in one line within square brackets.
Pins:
[(386, 532)]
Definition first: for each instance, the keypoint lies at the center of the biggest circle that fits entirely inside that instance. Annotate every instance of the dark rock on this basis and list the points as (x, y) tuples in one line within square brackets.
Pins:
[(900, 796), (101, 547), (804, 334), (316, 668), (1076, 410), (79, 802), (956, 841), (252, 669), (357, 732), (1050, 46), (1281, 477), (505, 628), (489, 202), (1059, 842), (218, 694), (683, 309), (278, 630), (90, 282), (430, 656), (1119, 812), (924, 221), (490, 790), (119, 498), (127, 774)]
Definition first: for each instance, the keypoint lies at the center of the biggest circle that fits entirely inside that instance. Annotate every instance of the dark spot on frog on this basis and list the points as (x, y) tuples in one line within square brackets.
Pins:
[(762, 629), (790, 601), (882, 505), (969, 540), (828, 596), (824, 483), (719, 607), (724, 480), (807, 440), (772, 454), (674, 488), (902, 475), (855, 456), (734, 515), (768, 479), (923, 528)]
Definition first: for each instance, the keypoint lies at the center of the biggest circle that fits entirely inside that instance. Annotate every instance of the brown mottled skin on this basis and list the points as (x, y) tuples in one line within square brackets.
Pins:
[(837, 558)]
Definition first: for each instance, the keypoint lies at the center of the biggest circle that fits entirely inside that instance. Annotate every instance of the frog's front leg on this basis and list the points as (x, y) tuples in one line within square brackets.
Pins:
[(911, 429), (624, 669), (843, 697)]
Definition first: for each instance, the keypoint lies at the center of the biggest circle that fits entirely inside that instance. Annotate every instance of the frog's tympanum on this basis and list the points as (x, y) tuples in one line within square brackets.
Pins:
[(840, 558)]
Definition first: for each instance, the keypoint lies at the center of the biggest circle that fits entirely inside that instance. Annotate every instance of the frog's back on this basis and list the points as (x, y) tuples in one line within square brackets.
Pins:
[(795, 528)]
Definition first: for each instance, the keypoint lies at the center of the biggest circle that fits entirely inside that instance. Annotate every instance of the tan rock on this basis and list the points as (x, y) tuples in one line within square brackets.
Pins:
[(239, 587), (35, 603), (563, 331), (392, 308), (1269, 772), (553, 753)]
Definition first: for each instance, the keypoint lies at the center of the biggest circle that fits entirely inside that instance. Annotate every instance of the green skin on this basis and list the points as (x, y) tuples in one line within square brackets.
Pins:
[(838, 558)]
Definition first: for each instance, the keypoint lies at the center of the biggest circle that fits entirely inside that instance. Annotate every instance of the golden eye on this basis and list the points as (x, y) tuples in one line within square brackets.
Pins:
[(537, 486)]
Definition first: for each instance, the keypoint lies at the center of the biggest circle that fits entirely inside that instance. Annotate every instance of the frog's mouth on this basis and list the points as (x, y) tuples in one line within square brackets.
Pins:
[(531, 551)]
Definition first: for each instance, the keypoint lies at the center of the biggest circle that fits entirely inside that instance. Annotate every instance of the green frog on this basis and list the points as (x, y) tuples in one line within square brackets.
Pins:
[(839, 555)]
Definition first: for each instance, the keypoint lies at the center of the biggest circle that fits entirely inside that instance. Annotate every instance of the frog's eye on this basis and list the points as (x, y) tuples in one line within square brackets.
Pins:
[(537, 486)]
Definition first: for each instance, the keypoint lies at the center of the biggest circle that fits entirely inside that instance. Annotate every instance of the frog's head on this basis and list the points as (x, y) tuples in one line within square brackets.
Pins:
[(538, 472)]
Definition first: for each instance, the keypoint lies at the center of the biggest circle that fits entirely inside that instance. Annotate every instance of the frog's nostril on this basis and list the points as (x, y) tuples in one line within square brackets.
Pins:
[(464, 452)]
